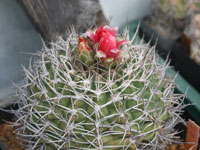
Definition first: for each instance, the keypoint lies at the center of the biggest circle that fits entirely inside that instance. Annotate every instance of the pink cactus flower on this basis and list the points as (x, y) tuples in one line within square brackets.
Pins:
[(106, 43), (83, 44)]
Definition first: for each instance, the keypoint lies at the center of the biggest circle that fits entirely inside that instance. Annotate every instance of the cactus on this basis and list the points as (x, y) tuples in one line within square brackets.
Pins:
[(170, 17), (97, 91), (178, 9), (192, 32)]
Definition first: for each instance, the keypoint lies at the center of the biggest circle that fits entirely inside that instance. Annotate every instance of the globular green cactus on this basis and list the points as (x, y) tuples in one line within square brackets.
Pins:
[(70, 104)]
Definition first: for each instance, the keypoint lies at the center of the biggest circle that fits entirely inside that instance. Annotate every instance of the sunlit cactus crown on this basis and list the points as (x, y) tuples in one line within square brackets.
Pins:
[(98, 91)]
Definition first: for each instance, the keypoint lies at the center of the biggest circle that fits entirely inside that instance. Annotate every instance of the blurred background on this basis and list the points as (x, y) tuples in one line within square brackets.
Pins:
[(17, 38), (120, 12)]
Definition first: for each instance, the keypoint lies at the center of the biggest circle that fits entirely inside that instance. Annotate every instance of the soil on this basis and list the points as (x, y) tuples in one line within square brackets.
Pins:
[(8, 139)]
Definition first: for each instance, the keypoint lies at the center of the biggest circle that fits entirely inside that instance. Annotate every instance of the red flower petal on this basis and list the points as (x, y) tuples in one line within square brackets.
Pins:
[(91, 36), (83, 44), (98, 33), (115, 50), (113, 31), (121, 43)]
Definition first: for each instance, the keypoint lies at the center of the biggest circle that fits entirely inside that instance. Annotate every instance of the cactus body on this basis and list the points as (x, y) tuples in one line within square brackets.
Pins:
[(68, 104)]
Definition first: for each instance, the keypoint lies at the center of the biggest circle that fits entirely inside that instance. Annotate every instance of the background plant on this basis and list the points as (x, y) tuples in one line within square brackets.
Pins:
[(170, 17)]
